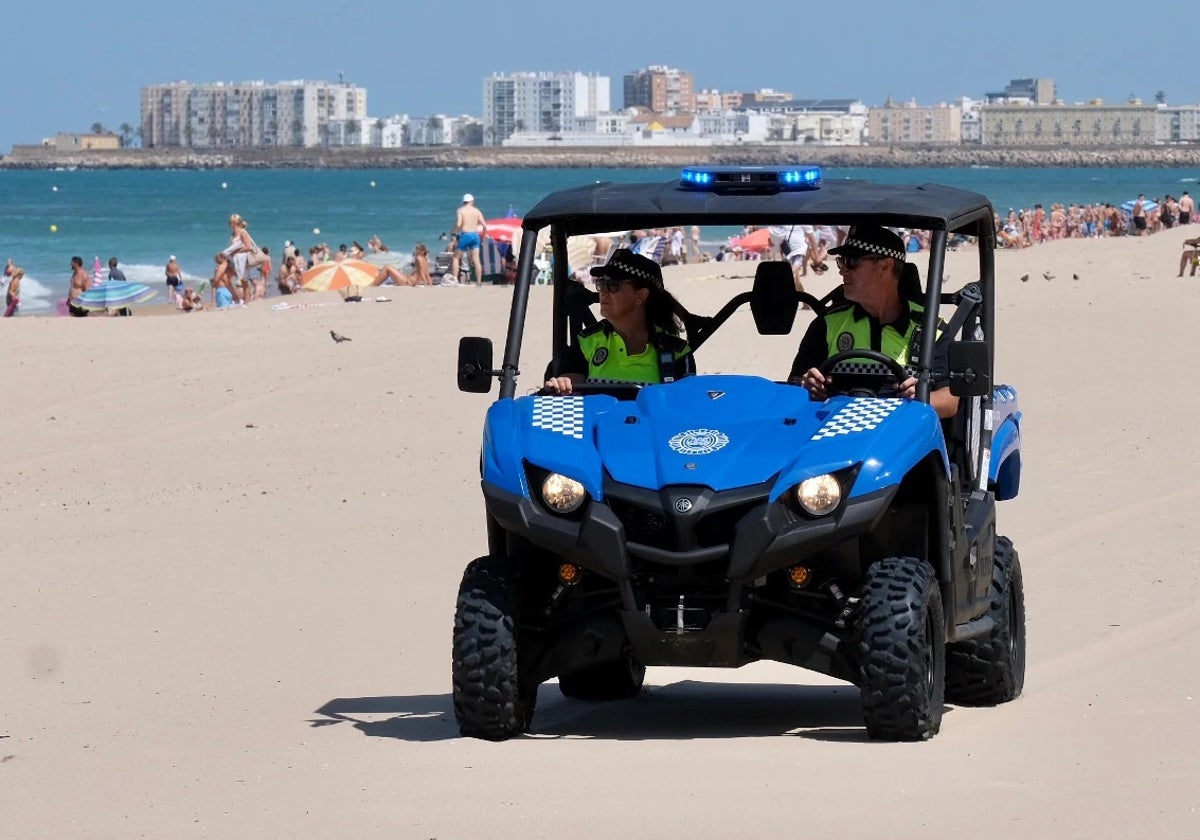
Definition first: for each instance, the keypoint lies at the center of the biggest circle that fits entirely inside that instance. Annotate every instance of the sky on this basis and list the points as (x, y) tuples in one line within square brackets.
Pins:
[(69, 64)]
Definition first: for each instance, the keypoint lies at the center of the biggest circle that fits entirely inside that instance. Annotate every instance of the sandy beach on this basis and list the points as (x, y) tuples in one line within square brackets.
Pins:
[(232, 547)]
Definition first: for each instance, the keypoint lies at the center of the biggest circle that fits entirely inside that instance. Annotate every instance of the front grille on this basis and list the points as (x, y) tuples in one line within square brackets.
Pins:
[(717, 528), (643, 525)]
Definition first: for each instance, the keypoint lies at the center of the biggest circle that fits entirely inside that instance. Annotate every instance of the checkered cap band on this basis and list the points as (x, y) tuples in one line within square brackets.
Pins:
[(561, 415), (861, 415), (872, 248), (624, 263)]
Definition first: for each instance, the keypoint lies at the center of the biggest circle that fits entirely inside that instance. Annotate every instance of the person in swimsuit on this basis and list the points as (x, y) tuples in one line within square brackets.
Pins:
[(471, 228), (174, 277), (81, 281), (12, 298)]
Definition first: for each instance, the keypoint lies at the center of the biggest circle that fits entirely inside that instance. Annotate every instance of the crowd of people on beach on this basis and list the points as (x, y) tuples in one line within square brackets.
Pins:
[(243, 270)]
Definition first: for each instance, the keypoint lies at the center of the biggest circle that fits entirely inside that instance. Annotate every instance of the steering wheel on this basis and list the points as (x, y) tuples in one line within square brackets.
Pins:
[(863, 384), (620, 390)]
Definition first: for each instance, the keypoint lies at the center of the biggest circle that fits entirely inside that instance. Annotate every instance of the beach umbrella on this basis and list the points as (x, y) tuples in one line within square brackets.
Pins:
[(339, 275), (114, 296), (501, 230), (1147, 205), (759, 240)]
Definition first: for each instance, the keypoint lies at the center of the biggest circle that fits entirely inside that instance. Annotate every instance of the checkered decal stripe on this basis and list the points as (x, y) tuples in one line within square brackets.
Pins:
[(865, 368), (563, 415), (858, 416)]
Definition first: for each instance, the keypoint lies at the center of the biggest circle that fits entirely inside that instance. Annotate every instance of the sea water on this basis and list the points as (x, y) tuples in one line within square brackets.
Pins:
[(143, 217)]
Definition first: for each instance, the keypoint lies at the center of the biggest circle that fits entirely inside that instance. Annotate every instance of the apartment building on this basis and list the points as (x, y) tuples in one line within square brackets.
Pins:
[(910, 123), (252, 114), (540, 102), (662, 90)]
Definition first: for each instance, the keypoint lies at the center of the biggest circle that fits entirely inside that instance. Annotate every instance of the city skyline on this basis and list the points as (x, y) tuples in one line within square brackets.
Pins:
[(434, 65)]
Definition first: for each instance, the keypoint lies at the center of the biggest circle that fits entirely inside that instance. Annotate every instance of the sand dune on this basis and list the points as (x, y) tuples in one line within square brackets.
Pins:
[(231, 551)]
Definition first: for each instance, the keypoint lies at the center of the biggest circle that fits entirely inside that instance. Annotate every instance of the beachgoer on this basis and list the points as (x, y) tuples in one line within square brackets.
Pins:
[(191, 301), (470, 226), (877, 316), (12, 295), (696, 241), (1186, 208), (81, 281), (174, 279), (638, 339), (8, 266), (793, 242), (222, 282), (1139, 215), (116, 274), (264, 271), (240, 246), (1191, 256)]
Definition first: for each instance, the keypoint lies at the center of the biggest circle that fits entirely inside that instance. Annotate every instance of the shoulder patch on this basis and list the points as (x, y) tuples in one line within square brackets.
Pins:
[(600, 356), (845, 342)]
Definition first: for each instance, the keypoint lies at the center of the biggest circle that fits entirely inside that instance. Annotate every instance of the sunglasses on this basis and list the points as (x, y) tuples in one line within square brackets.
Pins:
[(851, 263), (612, 285)]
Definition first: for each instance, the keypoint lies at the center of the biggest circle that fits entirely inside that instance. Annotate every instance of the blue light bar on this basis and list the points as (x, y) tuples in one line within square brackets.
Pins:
[(750, 178)]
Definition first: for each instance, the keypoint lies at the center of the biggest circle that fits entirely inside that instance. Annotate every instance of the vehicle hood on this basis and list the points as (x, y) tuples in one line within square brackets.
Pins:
[(718, 431)]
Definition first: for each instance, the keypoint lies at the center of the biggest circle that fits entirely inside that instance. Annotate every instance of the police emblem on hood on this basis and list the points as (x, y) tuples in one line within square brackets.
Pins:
[(698, 441)]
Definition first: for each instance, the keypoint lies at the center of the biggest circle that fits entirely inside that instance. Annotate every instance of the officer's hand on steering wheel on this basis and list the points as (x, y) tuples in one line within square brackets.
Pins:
[(815, 382), (907, 389), (559, 384)]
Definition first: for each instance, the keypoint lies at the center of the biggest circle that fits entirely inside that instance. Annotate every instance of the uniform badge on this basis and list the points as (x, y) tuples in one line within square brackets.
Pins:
[(845, 342), (600, 356)]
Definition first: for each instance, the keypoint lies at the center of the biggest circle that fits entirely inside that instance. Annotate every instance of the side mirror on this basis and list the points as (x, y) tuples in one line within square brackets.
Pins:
[(475, 365), (969, 373)]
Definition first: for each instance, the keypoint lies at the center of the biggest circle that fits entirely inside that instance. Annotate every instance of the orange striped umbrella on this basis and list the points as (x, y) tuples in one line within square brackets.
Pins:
[(339, 275)]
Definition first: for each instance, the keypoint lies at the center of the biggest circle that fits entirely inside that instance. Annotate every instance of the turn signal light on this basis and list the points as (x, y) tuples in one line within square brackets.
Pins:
[(799, 576), (570, 574)]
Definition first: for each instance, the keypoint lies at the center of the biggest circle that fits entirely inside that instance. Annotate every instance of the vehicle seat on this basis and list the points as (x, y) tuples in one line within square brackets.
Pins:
[(773, 300)]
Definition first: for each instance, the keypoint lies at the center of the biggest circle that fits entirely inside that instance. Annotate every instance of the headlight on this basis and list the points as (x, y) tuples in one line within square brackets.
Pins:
[(819, 495), (562, 494)]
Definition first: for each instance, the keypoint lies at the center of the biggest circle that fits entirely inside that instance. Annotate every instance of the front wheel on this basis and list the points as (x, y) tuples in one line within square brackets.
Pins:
[(902, 650), (990, 669), (491, 700)]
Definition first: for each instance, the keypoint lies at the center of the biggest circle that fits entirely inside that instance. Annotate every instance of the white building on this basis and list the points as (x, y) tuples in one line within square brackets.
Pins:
[(1177, 124), (249, 114), (540, 102)]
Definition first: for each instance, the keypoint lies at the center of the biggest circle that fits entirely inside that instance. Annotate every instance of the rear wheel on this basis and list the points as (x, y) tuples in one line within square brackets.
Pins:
[(491, 700), (902, 650), (990, 669), (609, 681)]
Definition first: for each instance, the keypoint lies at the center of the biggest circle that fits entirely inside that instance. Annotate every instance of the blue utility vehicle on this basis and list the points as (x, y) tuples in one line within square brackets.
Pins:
[(722, 519)]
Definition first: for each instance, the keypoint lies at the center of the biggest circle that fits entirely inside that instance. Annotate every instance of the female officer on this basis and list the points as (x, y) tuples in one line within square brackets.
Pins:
[(638, 339)]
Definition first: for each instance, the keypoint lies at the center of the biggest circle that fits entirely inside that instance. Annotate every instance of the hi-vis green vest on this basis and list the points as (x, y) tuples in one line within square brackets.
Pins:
[(845, 332), (665, 359)]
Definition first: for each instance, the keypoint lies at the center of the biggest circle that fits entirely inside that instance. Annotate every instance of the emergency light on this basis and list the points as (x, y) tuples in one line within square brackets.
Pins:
[(751, 178)]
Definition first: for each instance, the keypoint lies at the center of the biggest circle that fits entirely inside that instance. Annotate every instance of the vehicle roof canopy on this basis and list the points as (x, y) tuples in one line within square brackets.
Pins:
[(608, 206)]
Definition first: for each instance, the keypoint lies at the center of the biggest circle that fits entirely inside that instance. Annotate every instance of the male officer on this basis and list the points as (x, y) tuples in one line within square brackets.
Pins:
[(877, 316)]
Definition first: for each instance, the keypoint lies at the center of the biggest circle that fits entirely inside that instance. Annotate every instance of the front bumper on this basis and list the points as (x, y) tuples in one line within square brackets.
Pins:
[(737, 534)]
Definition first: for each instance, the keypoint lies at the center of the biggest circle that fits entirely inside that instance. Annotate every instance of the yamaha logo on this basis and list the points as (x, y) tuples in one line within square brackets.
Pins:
[(698, 441), (715, 395), (683, 505)]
